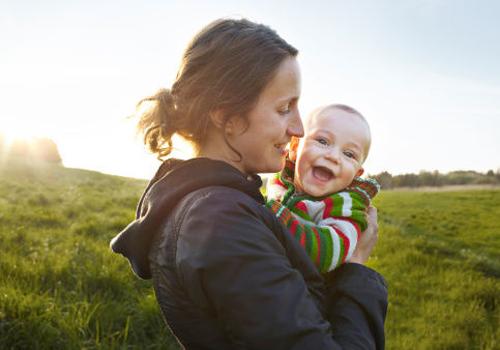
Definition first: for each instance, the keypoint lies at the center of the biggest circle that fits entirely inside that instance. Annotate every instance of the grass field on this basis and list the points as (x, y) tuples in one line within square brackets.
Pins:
[(60, 287), (440, 253)]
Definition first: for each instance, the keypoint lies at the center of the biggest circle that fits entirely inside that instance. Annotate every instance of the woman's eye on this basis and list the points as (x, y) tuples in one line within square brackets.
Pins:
[(285, 110)]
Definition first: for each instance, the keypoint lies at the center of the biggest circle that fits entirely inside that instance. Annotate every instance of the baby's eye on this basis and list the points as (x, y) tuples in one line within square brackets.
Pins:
[(350, 154), (322, 141)]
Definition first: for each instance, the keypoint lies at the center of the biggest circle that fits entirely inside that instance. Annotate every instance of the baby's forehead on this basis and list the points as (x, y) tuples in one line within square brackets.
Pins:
[(344, 122), (331, 116)]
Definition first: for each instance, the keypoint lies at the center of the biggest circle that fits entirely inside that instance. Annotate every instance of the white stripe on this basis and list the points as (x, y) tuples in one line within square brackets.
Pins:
[(347, 206), (280, 211), (348, 229), (314, 209), (302, 220), (336, 248), (330, 225)]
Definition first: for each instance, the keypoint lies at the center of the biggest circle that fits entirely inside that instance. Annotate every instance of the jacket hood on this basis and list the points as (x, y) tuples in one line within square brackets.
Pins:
[(173, 180)]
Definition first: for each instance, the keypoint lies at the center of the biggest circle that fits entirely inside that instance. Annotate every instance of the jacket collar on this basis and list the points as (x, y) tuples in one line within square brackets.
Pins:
[(173, 180)]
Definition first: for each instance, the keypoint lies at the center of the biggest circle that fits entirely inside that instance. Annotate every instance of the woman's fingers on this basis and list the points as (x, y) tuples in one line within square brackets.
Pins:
[(373, 220), (368, 238)]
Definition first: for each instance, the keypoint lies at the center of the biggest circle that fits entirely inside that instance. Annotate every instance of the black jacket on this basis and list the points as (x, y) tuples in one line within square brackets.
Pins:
[(227, 275)]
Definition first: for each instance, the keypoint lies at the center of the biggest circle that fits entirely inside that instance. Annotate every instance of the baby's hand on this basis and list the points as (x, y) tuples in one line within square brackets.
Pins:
[(367, 188)]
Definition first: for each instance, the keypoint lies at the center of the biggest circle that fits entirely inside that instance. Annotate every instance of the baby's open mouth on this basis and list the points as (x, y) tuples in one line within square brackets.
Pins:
[(322, 173)]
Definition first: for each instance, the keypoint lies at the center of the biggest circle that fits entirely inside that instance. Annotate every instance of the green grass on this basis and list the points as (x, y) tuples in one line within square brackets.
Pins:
[(440, 253), (61, 287)]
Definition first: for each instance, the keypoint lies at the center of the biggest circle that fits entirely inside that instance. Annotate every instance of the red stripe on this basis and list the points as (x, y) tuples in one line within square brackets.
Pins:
[(293, 227), (278, 182), (328, 207), (346, 243), (318, 243), (301, 206), (303, 239)]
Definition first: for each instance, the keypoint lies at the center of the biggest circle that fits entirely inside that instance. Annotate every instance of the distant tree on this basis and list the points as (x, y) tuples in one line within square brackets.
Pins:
[(37, 149), (435, 178), (427, 178), (384, 179), (461, 177), (45, 149), (406, 180)]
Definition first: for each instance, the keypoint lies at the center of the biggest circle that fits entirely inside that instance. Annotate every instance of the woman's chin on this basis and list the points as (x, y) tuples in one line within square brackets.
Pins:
[(281, 164)]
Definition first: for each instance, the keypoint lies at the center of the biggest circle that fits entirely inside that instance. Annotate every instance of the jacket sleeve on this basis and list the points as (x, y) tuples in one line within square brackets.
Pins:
[(358, 306), (232, 264)]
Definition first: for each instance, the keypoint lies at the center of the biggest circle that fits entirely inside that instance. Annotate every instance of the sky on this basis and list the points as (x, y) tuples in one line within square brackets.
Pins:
[(425, 73)]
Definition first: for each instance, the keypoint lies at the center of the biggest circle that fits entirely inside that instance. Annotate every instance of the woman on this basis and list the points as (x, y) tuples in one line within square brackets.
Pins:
[(226, 273)]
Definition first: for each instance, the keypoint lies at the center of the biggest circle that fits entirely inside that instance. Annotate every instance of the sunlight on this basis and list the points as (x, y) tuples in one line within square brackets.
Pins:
[(182, 149), (13, 131), (19, 140)]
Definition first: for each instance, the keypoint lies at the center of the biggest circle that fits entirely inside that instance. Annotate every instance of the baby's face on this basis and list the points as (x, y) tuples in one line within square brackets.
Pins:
[(331, 153)]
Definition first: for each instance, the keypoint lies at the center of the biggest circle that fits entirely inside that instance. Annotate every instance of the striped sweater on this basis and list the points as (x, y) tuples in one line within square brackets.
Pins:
[(327, 227)]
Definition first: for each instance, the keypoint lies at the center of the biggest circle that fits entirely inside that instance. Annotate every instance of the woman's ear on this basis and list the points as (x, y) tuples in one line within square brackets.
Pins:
[(217, 118), (294, 145), (231, 126)]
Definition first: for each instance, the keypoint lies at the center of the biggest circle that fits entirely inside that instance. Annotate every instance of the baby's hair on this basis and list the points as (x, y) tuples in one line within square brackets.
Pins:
[(345, 108)]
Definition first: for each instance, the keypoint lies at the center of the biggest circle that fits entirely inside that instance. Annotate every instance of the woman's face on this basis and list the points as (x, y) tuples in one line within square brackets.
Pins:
[(263, 142)]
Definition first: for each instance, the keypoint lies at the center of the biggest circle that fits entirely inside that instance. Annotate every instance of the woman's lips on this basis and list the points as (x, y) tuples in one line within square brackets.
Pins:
[(322, 174)]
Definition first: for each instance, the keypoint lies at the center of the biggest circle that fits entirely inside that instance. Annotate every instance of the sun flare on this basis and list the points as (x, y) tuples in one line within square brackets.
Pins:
[(12, 131)]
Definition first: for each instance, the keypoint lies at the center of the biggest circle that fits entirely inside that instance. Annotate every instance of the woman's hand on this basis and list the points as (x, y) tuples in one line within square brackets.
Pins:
[(368, 238)]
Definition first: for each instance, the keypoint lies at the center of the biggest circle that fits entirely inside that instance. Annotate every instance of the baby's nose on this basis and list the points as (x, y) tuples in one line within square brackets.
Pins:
[(333, 153)]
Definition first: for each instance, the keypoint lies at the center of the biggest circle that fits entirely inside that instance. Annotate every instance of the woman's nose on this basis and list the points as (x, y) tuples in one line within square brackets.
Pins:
[(295, 127)]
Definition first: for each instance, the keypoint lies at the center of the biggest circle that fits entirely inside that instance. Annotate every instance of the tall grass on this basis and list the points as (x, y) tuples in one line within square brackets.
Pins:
[(440, 252), (61, 288)]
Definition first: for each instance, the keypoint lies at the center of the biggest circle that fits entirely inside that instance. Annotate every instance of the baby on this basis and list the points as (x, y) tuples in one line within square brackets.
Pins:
[(319, 195)]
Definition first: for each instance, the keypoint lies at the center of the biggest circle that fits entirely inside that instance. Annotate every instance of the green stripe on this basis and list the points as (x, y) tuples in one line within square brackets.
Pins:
[(342, 250), (338, 203), (327, 248), (314, 243), (303, 214), (308, 241)]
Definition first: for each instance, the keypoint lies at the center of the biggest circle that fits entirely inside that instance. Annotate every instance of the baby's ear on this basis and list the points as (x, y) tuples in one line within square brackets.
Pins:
[(360, 172), (294, 145)]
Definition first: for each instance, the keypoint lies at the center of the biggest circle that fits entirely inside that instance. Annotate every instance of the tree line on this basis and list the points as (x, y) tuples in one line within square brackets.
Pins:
[(39, 148), (45, 149), (436, 179)]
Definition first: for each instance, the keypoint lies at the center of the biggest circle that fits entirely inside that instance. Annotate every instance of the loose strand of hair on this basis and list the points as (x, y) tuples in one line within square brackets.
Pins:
[(157, 124)]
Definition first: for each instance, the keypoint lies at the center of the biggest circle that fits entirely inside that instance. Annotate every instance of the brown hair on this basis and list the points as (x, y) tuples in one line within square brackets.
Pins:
[(224, 68)]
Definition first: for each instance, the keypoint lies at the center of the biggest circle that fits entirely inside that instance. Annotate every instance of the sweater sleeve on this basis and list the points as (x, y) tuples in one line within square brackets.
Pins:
[(329, 243), (242, 271)]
